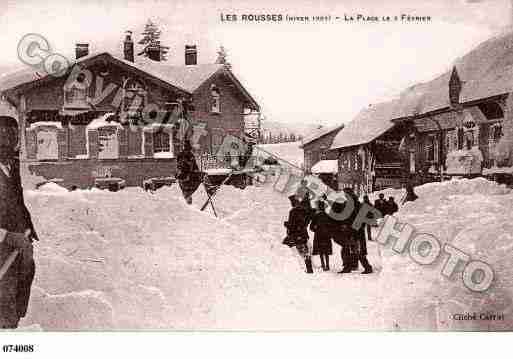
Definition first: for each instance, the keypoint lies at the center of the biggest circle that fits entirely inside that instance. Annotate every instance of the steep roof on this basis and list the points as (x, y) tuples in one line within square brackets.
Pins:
[(485, 72), (184, 78), (370, 123), (29, 75), (320, 133), (188, 77)]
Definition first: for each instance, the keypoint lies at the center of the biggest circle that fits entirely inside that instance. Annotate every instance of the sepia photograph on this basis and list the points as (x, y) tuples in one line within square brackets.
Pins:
[(240, 166)]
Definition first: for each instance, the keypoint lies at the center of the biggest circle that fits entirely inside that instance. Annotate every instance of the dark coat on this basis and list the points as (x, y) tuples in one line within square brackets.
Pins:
[(297, 225), (14, 217), (381, 205), (322, 227), (341, 230), (392, 207), (188, 174)]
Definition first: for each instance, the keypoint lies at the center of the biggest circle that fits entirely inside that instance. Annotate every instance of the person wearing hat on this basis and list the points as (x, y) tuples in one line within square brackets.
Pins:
[(17, 232), (297, 233), (321, 225)]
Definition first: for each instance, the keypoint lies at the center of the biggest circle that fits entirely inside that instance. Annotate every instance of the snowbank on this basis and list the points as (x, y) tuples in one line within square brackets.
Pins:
[(288, 153), (474, 216), (136, 260)]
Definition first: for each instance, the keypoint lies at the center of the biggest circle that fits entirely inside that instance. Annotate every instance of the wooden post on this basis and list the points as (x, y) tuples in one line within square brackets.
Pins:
[(22, 124)]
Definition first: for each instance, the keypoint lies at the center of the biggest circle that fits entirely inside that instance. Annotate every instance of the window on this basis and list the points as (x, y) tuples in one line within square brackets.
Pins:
[(76, 93), (431, 148), (108, 142), (460, 135), (161, 141), (47, 145), (469, 139), (162, 136), (215, 99), (495, 132), (217, 139), (134, 97)]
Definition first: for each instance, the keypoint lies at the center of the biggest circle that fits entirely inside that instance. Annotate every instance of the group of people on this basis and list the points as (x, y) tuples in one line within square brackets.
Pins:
[(386, 206), (327, 228)]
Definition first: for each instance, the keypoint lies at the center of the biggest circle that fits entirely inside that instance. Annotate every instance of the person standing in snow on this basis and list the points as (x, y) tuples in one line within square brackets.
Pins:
[(297, 233), (358, 243), (368, 230), (342, 233), (188, 174), (391, 206), (303, 195), (17, 232), (381, 204), (321, 226), (410, 194)]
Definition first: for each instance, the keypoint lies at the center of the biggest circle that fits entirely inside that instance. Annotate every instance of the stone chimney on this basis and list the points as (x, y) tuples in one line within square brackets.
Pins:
[(191, 55), (153, 51), (81, 50), (128, 47)]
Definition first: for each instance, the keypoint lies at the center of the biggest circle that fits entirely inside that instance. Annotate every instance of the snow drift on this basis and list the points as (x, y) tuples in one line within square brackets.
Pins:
[(135, 260)]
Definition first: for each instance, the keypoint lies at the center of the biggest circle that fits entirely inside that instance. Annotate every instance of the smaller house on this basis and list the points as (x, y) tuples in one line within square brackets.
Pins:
[(367, 149), (319, 159)]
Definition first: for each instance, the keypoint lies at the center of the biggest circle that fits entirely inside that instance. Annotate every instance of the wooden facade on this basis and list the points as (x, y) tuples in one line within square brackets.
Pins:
[(115, 120), (374, 165)]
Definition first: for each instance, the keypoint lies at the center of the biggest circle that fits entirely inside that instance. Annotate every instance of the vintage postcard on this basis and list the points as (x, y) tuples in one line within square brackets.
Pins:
[(256, 166)]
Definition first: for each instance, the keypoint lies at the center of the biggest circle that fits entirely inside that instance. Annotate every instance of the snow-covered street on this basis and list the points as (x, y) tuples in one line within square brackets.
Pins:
[(135, 260)]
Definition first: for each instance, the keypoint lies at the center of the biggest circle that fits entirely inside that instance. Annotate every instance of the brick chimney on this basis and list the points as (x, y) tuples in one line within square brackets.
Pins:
[(455, 87), (81, 50), (191, 55), (153, 51), (128, 47)]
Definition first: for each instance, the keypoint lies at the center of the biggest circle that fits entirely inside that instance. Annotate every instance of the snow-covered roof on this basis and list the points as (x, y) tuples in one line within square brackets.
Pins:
[(34, 125), (28, 75), (320, 133), (325, 166), (103, 121), (185, 78), (370, 123)]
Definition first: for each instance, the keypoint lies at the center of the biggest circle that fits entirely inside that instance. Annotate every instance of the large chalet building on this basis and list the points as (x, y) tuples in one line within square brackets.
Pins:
[(118, 118), (454, 125)]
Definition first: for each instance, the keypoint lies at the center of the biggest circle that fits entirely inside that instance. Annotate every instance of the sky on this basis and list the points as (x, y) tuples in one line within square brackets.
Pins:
[(298, 72)]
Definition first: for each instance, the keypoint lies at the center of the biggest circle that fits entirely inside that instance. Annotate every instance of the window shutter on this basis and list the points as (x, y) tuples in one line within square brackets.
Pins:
[(92, 135), (31, 144), (123, 141), (148, 144), (62, 141), (134, 141)]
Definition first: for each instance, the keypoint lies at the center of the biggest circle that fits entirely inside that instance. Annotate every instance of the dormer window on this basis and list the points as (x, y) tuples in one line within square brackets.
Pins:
[(215, 99), (76, 93)]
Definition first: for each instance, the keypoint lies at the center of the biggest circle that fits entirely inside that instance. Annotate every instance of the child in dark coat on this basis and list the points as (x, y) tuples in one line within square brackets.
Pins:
[(297, 233), (322, 227)]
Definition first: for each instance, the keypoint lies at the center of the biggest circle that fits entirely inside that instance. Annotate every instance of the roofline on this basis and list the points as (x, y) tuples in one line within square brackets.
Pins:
[(240, 86), (394, 125), (94, 58), (338, 128)]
